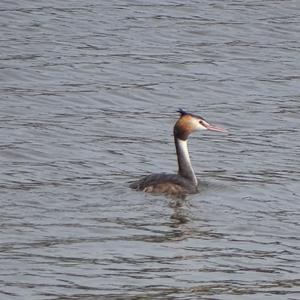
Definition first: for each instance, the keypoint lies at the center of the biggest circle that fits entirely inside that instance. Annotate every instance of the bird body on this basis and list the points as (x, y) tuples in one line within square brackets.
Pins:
[(164, 183)]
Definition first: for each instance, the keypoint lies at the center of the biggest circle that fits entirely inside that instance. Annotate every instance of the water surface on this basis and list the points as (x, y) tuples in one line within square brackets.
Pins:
[(89, 93)]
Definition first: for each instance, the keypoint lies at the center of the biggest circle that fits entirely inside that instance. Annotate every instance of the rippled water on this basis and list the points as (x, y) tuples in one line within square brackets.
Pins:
[(89, 91)]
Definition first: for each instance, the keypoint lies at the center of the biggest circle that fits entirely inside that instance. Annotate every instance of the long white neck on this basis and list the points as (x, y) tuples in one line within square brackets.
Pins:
[(185, 168)]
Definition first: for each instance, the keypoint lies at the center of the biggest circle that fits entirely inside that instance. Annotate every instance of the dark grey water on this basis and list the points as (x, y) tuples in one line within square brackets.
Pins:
[(88, 94)]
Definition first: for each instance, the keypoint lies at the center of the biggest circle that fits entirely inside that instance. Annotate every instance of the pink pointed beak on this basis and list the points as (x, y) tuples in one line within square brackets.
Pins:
[(215, 128)]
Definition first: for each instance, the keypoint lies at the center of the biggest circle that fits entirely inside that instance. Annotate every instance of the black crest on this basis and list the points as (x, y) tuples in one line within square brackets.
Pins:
[(182, 112)]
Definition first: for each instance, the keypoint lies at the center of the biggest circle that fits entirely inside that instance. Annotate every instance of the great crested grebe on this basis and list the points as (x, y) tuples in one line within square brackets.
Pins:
[(185, 182)]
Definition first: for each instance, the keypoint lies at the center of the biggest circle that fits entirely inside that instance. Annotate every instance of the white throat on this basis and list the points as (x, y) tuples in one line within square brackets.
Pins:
[(185, 168)]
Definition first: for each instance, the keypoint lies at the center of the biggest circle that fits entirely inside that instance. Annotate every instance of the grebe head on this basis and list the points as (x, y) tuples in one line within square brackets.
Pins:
[(188, 123)]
